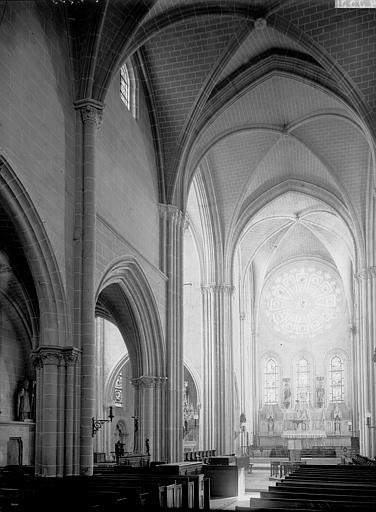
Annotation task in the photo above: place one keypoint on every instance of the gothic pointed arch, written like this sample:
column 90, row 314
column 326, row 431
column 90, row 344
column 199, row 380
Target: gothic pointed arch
column 54, row 326
column 125, row 294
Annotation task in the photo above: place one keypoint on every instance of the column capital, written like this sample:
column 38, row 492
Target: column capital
column 71, row 355
column 148, row 381
column 217, row 288
column 57, row 356
column 172, row 213
column 46, row 355
column 91, row 111
column 365, row 273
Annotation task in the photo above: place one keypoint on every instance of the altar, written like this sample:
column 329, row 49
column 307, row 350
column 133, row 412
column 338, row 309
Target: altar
column 305, row 427
column 300, row 439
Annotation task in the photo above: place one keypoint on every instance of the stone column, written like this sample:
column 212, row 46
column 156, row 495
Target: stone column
column 55, row 410
column 218, row 378
column 364, row 364
column 208, row 406
column 101, row 408
column 91, row 116
column 150, row 411
column 171, row 262
column 71, row 357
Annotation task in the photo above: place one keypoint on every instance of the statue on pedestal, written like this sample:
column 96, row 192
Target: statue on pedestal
column 24, row 400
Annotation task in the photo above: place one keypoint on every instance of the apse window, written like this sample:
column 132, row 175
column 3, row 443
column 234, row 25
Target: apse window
column 271, row 382
column 336, row 379
column 303, row 390
column 128, row 87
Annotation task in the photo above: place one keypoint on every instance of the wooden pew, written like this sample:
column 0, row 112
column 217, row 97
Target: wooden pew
column 308, row 496
column 309, row 503
column 190, row 486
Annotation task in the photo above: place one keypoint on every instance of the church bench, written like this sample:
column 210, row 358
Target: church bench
column 184, row 486
column 324, row 483
column 324, row 496
column 136, row 492
column 322, row 490
column 294, row 502
column 193, row 485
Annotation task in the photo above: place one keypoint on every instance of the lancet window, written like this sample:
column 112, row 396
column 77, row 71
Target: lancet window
column 125, row 86
column 271, row 378
column 118, row 390
column 336, row 379
column 303, row 373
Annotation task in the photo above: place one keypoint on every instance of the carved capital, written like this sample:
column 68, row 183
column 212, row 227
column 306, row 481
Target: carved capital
column 361, row 275
column 260, row 23
column 90, row 114
column 217, row 288
column 91, row 111
column 44, row 356
column 172, row 214
column 148, row 381
column 71, row 356
column 56, row 356
column 365, row 273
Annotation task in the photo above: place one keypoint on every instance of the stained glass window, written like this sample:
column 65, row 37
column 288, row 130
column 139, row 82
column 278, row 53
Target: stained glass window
column 118, row 390
column 271, row 382
column 303, row 388
column 336, row 379
column 125, row 86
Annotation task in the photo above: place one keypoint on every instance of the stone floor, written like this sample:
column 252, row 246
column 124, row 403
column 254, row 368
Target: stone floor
column 257, row 481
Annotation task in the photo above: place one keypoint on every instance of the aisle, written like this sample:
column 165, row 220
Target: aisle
column 257, row 481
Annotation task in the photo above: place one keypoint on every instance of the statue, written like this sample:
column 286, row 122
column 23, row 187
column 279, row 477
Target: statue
column 337, row 419
column 320, row 394
column 135, row 430
column 270, row 421
column 119, row 450
column 286, row 395
column 147, row 446
column 24, row 402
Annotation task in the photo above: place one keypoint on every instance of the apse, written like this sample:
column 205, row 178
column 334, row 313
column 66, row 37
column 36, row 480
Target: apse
column 296, row 256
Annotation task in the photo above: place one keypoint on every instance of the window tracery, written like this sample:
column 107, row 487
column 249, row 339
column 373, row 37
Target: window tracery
column 303, row 302
column 125, row 86
column 303, row 387
column 271, row 386
column 336, row 379
column 118, row 390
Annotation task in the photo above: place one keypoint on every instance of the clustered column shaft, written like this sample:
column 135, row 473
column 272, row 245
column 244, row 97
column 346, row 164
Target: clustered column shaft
column 172, row 221
column 91, row 115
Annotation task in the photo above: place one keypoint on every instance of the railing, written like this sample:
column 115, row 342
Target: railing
column 200, row 455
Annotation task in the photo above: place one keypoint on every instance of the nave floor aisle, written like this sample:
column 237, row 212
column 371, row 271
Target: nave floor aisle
column 258, row 481
column 255, row 482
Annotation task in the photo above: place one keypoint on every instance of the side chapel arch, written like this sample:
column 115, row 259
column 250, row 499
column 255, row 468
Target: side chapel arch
column 125, row 296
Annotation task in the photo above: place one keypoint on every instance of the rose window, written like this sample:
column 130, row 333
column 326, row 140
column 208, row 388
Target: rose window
column 303, row 302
